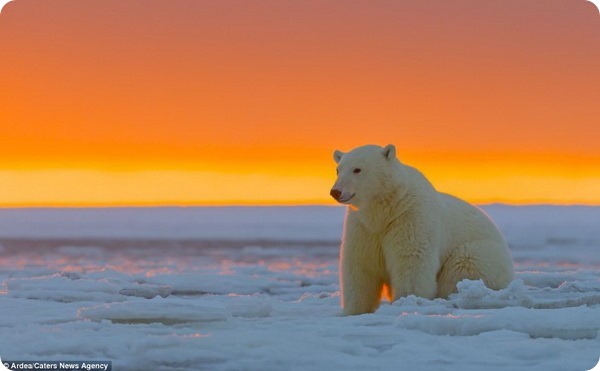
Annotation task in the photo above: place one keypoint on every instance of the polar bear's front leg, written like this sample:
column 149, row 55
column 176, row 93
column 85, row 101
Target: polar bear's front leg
column 360, row 288
column 412, row 264
column 361, row 270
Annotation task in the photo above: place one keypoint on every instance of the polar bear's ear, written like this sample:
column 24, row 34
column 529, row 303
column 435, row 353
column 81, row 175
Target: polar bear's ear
column 389, row 152
column 337, row 155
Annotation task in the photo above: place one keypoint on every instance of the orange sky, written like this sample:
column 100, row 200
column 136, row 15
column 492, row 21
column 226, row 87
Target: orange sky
column 120, row 102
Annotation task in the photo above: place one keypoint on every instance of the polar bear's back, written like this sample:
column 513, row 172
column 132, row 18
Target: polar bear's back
column 465, row 222
column 462, row 221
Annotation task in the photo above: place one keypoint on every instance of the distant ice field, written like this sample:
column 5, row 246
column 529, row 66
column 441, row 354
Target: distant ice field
column 256, row 288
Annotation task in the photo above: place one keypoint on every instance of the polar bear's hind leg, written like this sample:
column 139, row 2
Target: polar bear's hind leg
column 486, row 260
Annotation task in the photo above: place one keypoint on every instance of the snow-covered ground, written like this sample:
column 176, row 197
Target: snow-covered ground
column 257, row 289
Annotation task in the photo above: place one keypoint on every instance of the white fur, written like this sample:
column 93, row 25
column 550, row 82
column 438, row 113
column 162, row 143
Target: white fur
column 400, row 232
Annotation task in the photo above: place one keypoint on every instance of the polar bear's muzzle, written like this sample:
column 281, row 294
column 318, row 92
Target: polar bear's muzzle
column 340, row 197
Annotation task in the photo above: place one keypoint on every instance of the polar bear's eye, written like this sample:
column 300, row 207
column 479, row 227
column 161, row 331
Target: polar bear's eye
column 357, row 170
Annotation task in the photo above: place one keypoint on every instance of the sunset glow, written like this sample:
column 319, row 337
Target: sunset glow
column 124, row 102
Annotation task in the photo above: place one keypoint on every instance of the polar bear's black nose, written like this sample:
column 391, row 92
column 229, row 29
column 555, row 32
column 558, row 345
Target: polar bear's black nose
column 335, row 194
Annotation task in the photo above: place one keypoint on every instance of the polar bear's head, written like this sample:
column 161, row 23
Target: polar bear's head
column 362, row 173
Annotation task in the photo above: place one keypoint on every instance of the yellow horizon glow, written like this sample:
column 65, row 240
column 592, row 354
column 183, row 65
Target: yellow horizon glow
column 480, row 179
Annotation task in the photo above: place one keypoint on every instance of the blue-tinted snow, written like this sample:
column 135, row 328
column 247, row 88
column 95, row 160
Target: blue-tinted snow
column 257, row 289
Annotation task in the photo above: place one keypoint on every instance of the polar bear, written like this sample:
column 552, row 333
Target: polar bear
column 402, row 235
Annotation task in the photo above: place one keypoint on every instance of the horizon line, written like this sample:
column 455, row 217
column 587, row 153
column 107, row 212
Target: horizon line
column 259, row 205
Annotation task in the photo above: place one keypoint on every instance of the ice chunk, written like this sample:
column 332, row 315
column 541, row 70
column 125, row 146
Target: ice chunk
column 474, row 294
column 564, row 323
column 249, row 306
column 72, row 287
column 169, row 312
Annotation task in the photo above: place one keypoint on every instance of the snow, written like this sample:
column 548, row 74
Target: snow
column 210, row 223
column 257, row 289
